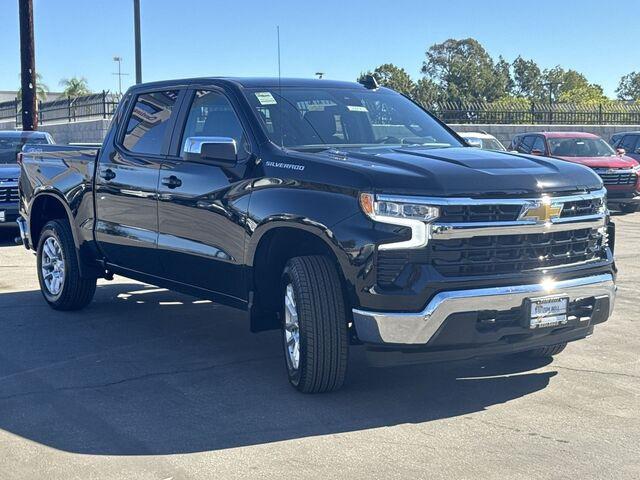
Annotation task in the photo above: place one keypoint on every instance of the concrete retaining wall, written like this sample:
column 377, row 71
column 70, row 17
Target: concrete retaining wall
column 89, row 131
column 505, row 133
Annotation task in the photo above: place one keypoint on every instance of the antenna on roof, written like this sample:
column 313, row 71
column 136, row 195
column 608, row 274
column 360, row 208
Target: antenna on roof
column 370, row 82
column 280, row 89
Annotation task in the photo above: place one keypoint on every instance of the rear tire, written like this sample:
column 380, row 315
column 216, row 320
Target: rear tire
column 545, row 352
column 58, row 272
column 314, row 325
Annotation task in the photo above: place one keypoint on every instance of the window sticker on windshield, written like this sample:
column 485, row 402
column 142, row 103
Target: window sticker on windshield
column 357, row 108
column 265, row 98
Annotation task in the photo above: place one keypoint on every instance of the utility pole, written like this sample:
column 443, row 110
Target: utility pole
column 136, row 31
column 28, row 66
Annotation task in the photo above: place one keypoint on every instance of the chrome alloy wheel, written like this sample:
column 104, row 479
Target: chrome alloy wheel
column 291, row 328
column 52, row 266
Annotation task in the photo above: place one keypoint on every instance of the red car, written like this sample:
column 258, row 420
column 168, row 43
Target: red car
column 620, row 173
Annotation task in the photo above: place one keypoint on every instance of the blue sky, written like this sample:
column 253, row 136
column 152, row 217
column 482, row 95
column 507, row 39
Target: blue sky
column 182, row 38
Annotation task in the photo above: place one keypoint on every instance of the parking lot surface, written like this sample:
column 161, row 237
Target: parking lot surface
column 151, row 384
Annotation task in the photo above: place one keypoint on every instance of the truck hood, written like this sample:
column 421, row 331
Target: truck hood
column 464, row 172
column 614, row 161
column 9, row 171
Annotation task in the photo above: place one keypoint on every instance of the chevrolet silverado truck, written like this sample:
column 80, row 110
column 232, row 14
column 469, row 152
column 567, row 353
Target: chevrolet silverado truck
column 340, row 213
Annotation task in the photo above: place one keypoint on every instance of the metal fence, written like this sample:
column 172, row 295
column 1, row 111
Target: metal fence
column 98, row 105
column 524, row 112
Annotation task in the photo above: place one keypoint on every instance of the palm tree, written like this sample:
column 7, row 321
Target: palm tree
column 74, row 87
column 41, row 89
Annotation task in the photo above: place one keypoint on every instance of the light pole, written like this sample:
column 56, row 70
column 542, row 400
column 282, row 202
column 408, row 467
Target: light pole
column 119, row 73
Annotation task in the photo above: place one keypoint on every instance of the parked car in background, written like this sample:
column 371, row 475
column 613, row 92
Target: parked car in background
column 620, row 173
column 629, row 141
column 482, row 140
column 11, row 143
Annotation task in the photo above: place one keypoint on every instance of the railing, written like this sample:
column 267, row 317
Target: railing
column 98, row 105
column 524, row 112
column 103, row 105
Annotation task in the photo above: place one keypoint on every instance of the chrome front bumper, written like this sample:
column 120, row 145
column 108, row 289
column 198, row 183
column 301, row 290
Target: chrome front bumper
column 419, row 328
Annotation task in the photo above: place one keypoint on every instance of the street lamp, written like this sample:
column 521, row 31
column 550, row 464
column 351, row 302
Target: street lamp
column 119, row 73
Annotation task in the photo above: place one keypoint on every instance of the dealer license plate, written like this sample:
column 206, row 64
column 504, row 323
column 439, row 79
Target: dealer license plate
column 548, row 311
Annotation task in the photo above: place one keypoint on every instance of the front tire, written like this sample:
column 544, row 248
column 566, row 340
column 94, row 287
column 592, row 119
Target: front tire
column 58, row 272
column 314, row 325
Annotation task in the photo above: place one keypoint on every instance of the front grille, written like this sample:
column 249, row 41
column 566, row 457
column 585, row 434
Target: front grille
column 8, row 194
column 479, row 213
column 489, row 255
column 514, row 253
column 613, row 176
column 578, row 208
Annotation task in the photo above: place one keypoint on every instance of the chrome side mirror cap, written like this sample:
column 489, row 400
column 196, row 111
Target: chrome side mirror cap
column 221, row 151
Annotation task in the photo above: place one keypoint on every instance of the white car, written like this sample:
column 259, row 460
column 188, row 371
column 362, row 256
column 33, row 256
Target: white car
column 482, row 140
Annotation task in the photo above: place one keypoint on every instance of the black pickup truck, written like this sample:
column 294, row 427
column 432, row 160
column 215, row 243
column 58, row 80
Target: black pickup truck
column 341, row 213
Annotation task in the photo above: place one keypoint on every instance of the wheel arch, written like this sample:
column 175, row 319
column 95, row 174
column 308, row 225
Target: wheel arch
column 47, row 206
column 269, row 250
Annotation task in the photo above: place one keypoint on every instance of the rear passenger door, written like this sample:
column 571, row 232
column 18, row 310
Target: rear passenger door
column 202, row 206
column 127, row 176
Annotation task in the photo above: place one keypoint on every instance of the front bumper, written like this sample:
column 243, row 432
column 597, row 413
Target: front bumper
column 632, row 199
column 9, row 214
column 422, row 328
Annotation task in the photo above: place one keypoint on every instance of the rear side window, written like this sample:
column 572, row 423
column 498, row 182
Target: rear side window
column 148, row 121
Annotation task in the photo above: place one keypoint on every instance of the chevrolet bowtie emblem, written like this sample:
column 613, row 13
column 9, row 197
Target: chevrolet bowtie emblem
column 541, row 212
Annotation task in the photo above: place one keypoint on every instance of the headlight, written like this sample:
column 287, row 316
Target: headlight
column 403, row 212
column 397, row 208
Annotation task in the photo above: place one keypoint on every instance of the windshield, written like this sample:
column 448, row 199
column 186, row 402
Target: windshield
column 9, row 147
column 322, row 118
column 580, row 147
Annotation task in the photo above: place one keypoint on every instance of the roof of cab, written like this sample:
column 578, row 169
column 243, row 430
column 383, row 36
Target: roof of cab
column 259, row 82
column 568, row 135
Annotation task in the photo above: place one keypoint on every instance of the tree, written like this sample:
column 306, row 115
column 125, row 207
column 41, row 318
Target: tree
column 629, row 87
column 390, row 76
column 427, row 93
column 74, row 87
column 562, row 85
column 465, row 71
column 42, row 89
column 527, row 79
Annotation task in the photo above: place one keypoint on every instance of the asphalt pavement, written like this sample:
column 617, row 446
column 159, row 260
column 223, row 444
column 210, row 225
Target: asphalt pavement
column 150, row 384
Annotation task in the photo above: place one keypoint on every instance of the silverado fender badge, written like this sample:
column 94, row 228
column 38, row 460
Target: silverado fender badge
column 286, row 166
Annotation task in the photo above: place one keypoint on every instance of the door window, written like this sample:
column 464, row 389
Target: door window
column 211, row 115
column 527, row 144
column 538, row 144
column 148, row 122
column 629, row 143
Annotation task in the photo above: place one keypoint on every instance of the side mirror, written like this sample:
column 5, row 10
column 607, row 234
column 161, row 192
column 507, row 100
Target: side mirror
column 537, row 152
column 220, row 151
column 621, row 151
